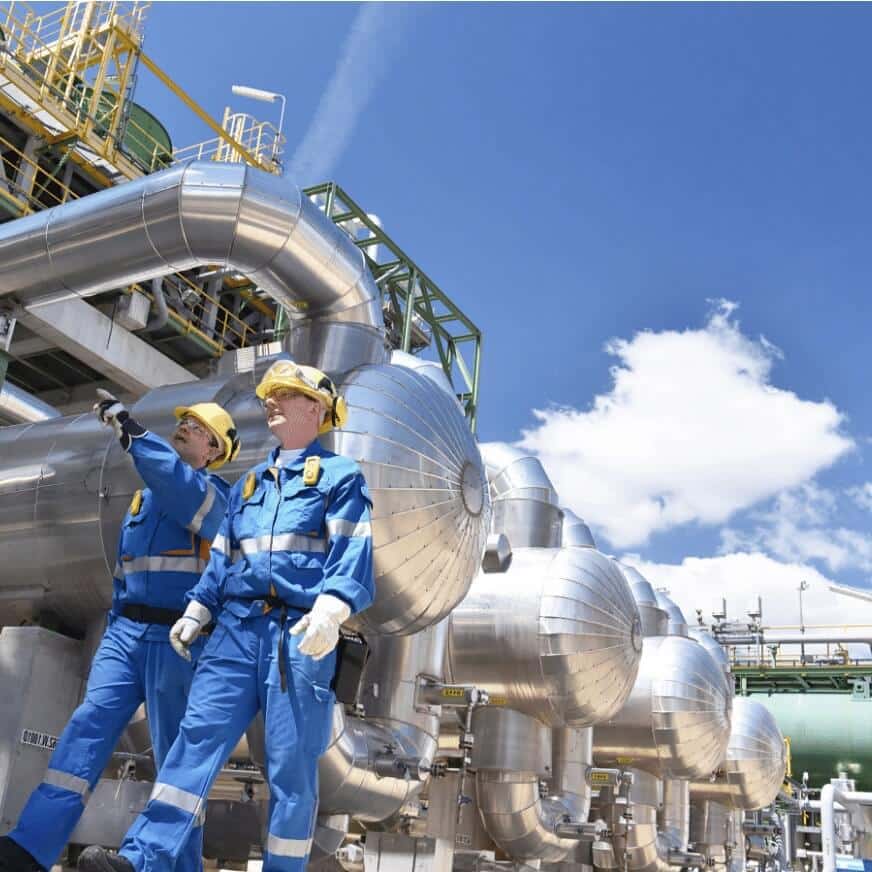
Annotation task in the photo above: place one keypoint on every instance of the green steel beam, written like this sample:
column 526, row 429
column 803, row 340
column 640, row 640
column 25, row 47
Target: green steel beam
column 410, row 292
column 834, row 678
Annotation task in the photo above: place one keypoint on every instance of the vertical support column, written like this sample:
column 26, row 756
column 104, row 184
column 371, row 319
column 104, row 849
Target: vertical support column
column 27, row 171
column 411, row 295
column 7, row 328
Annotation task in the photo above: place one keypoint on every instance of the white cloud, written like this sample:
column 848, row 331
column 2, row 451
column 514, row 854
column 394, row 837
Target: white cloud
column 862, row 495
column 376, row 33
column 691, row 431
column 701, row 582
column 800, row 527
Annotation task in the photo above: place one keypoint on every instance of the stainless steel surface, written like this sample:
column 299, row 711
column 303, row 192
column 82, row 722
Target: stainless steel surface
column 571, row 758
column 676, row 723
column 555, row 636
column 752, row 772
column 41, row 678
column 497, row 553
column 428, row 368
column 508, row 741
column 525, row 503
column 712, row 831
column 64, row 487
column 111, row 810
column 203, row 213
column 20, row 407
column 349, row 781
column 517, row 818
column 676, row 624
column 431, row 511
column 575, row 533
column 715, row 649
column 655, row 621
column 660, row 823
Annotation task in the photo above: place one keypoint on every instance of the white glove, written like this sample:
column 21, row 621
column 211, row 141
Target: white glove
column 185, row 630
column 321, row 626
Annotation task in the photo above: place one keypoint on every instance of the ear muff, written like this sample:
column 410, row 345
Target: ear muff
column 327, row 384
column 235, row 444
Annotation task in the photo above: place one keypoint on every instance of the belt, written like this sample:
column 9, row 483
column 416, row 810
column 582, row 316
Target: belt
column 275, row 603
column 150, row 614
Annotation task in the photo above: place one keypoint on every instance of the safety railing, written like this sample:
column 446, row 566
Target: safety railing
column 261, row 140
column 44, row 191
column 77, row 61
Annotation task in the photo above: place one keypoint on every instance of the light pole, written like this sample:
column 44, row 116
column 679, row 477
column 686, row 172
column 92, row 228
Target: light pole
column 264, row 97
column 803, row 585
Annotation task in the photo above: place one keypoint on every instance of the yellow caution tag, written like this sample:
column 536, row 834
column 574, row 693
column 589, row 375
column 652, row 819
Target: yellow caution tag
column 599, row 778
column 311, row 470
column 455, row 692
column 135, row 504
column 498, row 700
column 249, row 486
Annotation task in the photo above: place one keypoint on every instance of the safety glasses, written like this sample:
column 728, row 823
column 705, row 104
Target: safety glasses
column 195, row 426
column 282, row 394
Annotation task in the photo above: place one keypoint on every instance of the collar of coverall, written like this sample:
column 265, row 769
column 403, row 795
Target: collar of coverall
column 314, row 447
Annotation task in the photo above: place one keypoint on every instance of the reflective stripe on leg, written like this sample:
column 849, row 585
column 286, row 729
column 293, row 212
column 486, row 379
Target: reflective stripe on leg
column 175, row 796
column 288, row 847
column 73, row 783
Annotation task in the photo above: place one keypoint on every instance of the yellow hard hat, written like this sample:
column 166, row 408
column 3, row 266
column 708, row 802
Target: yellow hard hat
column 309, row 381
column 221, row 426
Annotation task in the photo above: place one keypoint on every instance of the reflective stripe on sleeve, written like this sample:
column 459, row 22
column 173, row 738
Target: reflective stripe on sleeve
column 163, row 564
column 282, row 542
column 208, row 501
column 220, row 543
column 175, row 796
column 288, row 847
column 341, row 527
column 118, row 572
column 73, row 783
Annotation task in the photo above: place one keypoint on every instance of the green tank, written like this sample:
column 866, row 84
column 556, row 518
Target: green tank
column 145, row 139
column 829, row 733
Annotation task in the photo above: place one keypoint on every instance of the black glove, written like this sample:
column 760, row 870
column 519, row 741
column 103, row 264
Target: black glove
column 112, row 413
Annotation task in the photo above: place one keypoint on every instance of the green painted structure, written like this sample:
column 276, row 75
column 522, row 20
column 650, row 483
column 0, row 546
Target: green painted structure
column 828, row 732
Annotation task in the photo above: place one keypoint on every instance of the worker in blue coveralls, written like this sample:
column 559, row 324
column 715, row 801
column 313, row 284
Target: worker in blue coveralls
column 292, row 561
column 163, row 549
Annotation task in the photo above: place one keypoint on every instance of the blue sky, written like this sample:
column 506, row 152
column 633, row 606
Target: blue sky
column 573, row 175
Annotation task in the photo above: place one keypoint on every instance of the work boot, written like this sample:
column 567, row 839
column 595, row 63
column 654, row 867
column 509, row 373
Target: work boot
column 95, row 859
column 13, row 858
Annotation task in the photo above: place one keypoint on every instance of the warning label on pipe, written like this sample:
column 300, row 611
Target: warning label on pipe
column 38, row 740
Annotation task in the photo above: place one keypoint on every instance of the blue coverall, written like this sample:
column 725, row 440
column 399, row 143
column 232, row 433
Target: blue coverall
column 290, row 541
column 162, row 551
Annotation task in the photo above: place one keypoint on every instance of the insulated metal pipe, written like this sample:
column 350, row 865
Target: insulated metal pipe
column 525, row 503
column 373, row 766
column 24, row 408
column 508, row 770
column 200, row 213
column 658, row 837
column 752, row 771
column 849, row 799
column 676, row 722
column 575, row 534
column 556, row 635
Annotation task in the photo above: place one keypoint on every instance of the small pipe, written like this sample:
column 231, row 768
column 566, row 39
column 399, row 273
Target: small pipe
column 161, row 313
column 830, row 796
